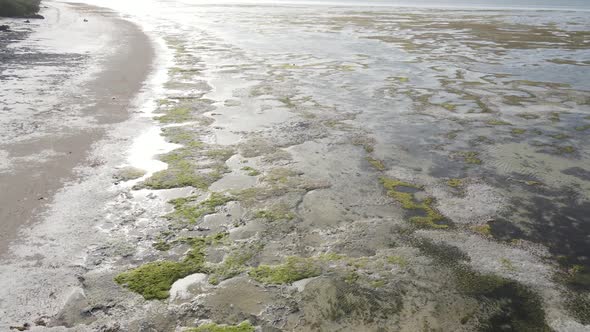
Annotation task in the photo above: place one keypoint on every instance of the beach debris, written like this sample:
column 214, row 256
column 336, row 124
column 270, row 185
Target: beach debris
column 85, row 20
column 4, row 27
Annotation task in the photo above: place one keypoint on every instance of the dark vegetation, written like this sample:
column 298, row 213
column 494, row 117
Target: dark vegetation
column 16, row 8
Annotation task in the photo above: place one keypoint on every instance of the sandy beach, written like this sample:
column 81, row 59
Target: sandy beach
column 65, row 82
column 296, row 166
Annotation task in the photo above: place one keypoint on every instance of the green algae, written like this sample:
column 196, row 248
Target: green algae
column 275, row 213
column 295, row 268
column 212, row 327
column 250, row 171
column 559, row 136
column 449, row 107
column 154, row 280
column 453, row 134
column 180, row 174
column 566, row 149
column 220, row 154
column 582, row 128
column 234, row 263
column 397, row 260
column 507, row 264
column 430, row 218
column 186, row 210
column 471, row 157
column 485, row 230
column 518, row 131
column 176, row 115
column 554, row 116
column 367, row 143
column 496, row 122
column 455, row 183
column 377, row 164
column 128, row 173
column 528, row 116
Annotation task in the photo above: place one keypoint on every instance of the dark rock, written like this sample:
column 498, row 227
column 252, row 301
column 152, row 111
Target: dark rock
column 34, row 16
column 4, row 28
column 85, row 20
column 27, row 21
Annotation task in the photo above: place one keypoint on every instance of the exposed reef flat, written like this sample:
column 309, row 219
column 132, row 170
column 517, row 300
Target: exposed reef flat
column 378, row 170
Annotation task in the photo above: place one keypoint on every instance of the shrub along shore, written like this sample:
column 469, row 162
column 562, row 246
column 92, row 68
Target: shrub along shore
column 19, row 8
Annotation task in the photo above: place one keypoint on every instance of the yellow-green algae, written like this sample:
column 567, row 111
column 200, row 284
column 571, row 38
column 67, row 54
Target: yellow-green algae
column 378, row 164
column 275, row 212
column 187, row 211
column 495, row 122
column 294, row 268
column 518, row 131
column 528, row 116
column 471, row 157
column 234, row 263
column 181, row 172
column 250, row 171
column 455, row 183
column 431, row 217
column 212, row 327
column 153, row 280
column 485, row 230
column 176, row 115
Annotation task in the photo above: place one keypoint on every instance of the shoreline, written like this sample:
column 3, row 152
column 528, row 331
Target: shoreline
column 28, row 185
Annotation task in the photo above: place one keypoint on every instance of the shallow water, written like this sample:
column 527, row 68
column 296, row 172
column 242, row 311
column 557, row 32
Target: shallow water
column 301, row 114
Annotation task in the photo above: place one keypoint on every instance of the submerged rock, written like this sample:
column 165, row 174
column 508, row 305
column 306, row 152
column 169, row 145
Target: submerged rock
column 4, row 27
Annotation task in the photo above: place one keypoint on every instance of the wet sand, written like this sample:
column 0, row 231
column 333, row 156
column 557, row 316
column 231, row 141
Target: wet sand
column 40, row 160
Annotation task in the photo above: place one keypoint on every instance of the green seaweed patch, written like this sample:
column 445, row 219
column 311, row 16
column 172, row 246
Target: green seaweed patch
column 566, row 149
column 180, row 174
column 429, row 218
column 250, row 171
column 528, row 116
column 496, row 122
column 154, row 280
column 559, row 136
column 397, row 260
column 295, row 268
column 367, row 143
column 518, row 131
column 176, row 115
column 186, row 210
column 377, row 164
column 455, row 183
column 212, row 327
column 220, row 154
column 453, row 134
column 128, row 173
column 484, row 230
column 507, row 264
column 471, row 157
column 582, row 128
column 449, row 107
column 275, row 213
column 234, row 263
column 554, row 116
